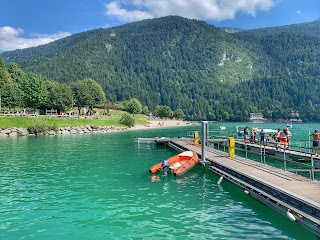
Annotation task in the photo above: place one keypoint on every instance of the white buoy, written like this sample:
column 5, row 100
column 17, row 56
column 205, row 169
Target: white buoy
column 220, row 180
column 291, row 216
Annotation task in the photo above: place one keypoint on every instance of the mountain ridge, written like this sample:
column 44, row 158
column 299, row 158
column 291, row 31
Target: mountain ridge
column 188, row 64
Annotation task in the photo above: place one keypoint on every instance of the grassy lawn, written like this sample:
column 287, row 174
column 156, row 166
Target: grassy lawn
column 113, row 120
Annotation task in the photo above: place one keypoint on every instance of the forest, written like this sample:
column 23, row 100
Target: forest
column 187, row 65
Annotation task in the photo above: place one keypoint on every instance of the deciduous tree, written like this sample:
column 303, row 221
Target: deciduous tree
column 87, row 93
column 34, row 91
column 134, row 106
column 60, row 96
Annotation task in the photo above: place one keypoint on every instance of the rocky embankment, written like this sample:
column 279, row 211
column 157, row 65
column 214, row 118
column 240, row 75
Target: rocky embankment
column 13, row 132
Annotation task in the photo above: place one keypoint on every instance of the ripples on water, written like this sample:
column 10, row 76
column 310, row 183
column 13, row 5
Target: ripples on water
column 98, row 187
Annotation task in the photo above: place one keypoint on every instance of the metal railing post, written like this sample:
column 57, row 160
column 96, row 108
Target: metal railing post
column 261, row 161
column 284, row 160
column 312, row 168
column 203, row 141
column 264, row 154
column 246, row 149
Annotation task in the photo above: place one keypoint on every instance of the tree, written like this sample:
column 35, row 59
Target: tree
column 4, row 74
column 4, row 80
column 145, row 110
column 178, row 114
column 164, row 111
column 127, row 120
column 16, row 73
column 34, row 91
column 134, row 106
column 87, row 93
column 60, row 96
column 10, row 95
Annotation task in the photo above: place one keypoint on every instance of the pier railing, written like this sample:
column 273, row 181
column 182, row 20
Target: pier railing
column 218, row 139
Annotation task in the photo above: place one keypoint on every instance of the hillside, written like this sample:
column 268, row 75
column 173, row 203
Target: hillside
column 188, row 64
column 309, row 28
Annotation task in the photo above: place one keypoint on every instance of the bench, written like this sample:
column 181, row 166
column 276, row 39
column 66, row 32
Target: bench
column 31, row 113
column 51, row 112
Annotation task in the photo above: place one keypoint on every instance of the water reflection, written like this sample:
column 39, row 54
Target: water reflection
column 155, row 178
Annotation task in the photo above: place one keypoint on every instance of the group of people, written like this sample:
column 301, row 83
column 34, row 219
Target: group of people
column 280, row 137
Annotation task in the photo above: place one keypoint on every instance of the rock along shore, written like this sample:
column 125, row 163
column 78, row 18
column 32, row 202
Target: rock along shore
column 13, row 132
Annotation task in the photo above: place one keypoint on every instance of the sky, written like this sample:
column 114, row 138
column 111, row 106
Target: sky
column 29, row 23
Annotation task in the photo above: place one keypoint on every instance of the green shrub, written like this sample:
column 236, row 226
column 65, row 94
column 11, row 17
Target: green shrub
column 39, row 125
column 127, row 120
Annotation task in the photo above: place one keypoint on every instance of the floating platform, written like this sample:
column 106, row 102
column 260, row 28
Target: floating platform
column 157, row 140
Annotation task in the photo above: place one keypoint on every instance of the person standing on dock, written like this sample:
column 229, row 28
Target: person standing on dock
column 315, row 142
column 283, row 138
column 276, row 137
column 262, row 136
column 245, row 134
column 289, row 134
column 253, row 136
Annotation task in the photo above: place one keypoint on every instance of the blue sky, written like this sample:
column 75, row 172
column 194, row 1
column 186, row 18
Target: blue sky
column 28, row 23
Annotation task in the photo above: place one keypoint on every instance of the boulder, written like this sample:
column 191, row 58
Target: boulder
column 13, row 134
column 73, row 131
column 6, row 131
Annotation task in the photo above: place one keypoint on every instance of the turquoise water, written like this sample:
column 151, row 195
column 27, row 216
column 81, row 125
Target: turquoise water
column 97, row 186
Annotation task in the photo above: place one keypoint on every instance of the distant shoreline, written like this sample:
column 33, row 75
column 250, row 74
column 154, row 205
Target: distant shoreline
column 162, row 124
column 18, row 131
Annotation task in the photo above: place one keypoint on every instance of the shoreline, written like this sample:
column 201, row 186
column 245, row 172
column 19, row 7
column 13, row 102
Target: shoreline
column 17, row 132
column 162, row 124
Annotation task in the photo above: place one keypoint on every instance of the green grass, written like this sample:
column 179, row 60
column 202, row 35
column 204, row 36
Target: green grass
column 113, row 120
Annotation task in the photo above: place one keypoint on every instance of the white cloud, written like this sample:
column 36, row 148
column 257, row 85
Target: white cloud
column 114, row 9
column 299, row 12
column 10, row 38
column 217, row 10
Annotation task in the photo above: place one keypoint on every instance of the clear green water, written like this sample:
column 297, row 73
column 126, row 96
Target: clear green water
column 98, row 186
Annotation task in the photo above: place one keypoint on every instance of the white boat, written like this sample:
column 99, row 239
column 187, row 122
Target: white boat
column 289, row 124
column 222, row 127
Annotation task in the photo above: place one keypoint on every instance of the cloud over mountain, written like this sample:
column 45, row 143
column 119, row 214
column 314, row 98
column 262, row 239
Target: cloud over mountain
column 205, row 9
column 11, row 39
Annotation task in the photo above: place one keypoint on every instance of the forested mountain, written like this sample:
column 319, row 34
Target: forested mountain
column 309, row 28
column 191, row 65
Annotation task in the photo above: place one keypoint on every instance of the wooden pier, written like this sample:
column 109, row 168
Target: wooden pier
column 286, row 192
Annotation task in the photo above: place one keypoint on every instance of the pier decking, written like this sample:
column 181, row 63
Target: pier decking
column 279, row 189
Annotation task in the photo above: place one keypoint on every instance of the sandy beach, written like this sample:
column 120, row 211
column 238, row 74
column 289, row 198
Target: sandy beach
column 162, row 124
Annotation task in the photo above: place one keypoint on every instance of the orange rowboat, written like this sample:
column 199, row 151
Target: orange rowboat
column 178, row 164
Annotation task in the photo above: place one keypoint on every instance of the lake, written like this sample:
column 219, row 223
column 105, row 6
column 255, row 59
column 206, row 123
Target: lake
column 97, row 186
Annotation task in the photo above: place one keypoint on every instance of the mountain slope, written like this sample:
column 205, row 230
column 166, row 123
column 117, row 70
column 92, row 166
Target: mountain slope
column 189, row 64
column 309, row 28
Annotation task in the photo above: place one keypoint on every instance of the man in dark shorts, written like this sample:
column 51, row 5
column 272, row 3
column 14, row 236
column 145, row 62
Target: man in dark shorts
column 315, row 142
